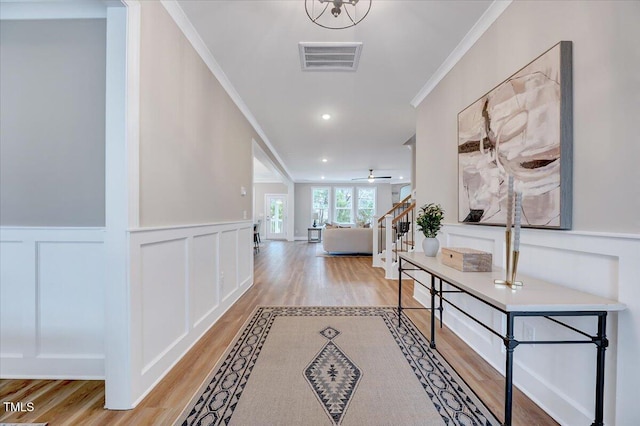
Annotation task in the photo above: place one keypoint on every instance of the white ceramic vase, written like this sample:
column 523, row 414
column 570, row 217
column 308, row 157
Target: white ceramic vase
column 430, row 246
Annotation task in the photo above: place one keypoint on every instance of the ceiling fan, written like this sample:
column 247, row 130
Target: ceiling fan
column 371, row 178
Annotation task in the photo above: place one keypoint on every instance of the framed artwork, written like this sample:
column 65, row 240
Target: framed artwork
column 523, row 128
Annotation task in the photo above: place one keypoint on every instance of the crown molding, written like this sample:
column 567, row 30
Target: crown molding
column 488, row 17
column 268, row 181
column 190, row 32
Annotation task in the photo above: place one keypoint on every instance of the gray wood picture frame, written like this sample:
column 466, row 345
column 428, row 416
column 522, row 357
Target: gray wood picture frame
column 522, row 127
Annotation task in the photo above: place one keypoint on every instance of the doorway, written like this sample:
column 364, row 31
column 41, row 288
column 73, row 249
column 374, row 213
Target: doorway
column 276, row 216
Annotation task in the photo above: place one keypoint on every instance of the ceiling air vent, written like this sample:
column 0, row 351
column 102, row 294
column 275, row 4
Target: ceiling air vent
column 337, row 56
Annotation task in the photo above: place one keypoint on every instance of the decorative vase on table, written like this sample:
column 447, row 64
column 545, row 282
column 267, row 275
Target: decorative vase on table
column 429, row 221
column 430, row 246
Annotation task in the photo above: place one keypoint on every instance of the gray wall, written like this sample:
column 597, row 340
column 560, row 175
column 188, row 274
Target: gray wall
column 52, row 131
column 304, row 218
column 195, row 144
column 606, row 89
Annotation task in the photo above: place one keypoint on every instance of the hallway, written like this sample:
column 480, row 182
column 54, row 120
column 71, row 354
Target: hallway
column 285, row 273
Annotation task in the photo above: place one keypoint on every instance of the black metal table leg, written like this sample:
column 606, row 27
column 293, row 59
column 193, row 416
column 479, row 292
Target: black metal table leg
column 432, row 344
column 508, row 338
column 601, row 343
column 510, row 343
column 399, row 292
column 441, row 307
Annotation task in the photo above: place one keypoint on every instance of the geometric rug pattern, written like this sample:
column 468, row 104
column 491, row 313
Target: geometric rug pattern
column 333, row 377
column 332, row 374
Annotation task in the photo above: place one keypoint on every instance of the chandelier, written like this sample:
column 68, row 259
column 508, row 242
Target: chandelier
column 337, row 14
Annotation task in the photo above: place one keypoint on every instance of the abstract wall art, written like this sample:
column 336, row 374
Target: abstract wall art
column 523, row 128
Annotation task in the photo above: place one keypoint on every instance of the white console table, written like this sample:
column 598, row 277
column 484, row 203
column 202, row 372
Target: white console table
column 537, row 298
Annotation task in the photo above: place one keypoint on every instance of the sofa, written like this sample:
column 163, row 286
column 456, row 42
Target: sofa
column 348, row 240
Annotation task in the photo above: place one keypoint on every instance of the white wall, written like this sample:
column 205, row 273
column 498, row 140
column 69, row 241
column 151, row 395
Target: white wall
column 72, row 295
column 606, row 179
column 605, row 189
column 195, row 153
column 195, row 143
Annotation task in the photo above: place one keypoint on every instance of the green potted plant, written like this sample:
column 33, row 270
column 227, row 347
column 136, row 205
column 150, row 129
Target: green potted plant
column 429, row 221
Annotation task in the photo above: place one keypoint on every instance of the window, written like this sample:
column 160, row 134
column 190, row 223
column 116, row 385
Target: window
column 366, row 205
column 344, row 205
column 347, row 205
column 405, row 191
column 320, row 205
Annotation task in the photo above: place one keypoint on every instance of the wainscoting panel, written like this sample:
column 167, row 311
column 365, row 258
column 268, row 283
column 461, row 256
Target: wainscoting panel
column 52, row 303
column 561, row 378
column 205, row 276
column 595, row 273
column 229, row 264
column 164, row 297
column 69, row 297
column 17, row 315
column 182, row 279
column 245, row 263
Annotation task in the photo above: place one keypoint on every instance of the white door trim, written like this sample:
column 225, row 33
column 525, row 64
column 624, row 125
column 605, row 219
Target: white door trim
column 267, row 216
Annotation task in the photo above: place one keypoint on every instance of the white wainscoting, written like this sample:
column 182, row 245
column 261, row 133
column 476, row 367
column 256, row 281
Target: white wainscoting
column 52, row 303
column 182, row 280
column 561, row 378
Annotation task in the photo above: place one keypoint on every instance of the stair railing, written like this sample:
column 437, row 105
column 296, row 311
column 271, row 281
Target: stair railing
column 397, row 208
column 379, row 240
column 388, row 242
column 403, row 229
column 394, row 233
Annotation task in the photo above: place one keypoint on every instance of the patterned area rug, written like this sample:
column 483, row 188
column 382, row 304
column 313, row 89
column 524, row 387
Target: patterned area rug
column 333, row 366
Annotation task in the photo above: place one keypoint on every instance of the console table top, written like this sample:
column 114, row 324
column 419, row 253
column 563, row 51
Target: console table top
column 534, row 296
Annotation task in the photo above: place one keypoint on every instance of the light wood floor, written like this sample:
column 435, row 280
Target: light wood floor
column 285, row 274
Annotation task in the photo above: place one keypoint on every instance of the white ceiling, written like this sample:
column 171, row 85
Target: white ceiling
column 255, row 42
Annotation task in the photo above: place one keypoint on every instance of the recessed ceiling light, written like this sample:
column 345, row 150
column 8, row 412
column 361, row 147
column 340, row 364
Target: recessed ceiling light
column 401, row 178
column 326, row 116
column 321, row 177
column 324, row 160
